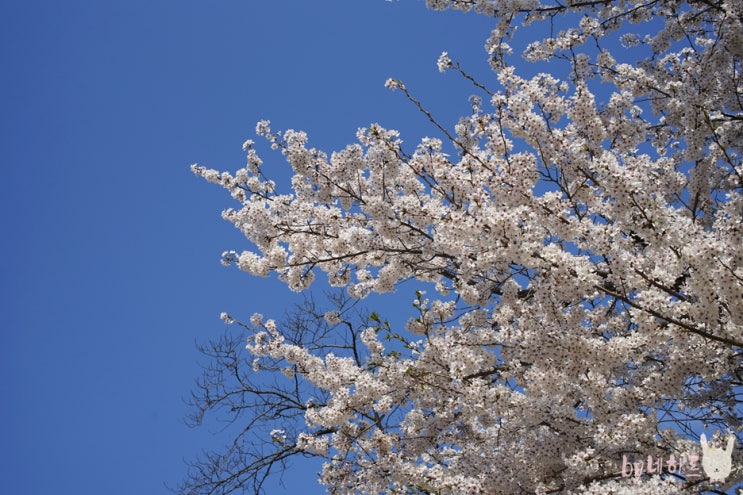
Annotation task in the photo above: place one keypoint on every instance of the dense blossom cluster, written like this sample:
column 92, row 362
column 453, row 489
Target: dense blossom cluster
column 584, row 239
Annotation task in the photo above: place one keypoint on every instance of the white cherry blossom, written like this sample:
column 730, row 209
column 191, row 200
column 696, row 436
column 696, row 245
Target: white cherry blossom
column 580, row 234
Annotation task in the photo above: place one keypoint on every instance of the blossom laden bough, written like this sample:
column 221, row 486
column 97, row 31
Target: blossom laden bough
column 583, row 233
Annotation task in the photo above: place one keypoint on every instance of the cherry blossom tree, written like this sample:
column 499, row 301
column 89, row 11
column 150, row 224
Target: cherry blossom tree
column 577, row 241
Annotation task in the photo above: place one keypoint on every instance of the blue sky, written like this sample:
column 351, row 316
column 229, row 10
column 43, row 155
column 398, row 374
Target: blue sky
column 111, row 246
column 110, row 253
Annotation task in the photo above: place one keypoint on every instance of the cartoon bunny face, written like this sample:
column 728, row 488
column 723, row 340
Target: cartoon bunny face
column 717, row 463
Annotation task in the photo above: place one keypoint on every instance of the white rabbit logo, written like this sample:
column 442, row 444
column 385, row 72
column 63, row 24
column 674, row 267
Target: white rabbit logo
column 717, row 463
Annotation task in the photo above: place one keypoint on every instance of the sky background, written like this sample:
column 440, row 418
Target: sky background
column 110, row 249
column 109, row 257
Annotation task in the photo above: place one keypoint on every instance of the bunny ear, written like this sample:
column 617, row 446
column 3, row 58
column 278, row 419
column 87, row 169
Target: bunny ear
column 731, row 444
column 703, row 441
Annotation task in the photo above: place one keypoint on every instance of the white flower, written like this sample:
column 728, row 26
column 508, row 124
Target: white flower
column 393, row 84
column 444, row 62
column 278, row 436
column 332, row 317
column 256, row 320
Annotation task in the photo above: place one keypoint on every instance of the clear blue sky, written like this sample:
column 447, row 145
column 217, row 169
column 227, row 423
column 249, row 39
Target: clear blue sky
column 110, row 250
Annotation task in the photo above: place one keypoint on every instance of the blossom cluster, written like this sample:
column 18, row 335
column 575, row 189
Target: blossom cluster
column 585, row 244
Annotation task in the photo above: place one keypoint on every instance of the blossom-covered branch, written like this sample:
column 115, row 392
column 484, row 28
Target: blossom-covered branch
column 583, row 232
